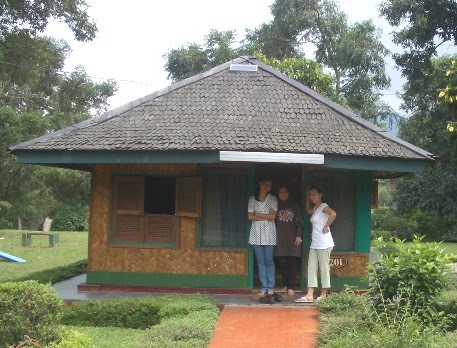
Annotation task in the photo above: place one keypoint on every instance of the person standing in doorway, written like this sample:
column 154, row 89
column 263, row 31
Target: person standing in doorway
column 289, row 223
column 322, row 216
column 262, row 210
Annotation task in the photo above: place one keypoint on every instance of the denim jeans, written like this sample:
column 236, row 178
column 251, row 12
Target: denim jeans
column 266, row 265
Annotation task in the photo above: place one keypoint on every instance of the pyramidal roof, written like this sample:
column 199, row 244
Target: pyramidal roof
column 221, row 109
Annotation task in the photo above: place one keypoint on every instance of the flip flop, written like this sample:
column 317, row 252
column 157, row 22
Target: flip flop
column 303, row 300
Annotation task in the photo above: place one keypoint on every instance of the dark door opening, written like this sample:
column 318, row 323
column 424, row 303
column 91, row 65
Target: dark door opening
column 291, row 176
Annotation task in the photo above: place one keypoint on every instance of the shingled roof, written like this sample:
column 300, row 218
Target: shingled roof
column 220, row 109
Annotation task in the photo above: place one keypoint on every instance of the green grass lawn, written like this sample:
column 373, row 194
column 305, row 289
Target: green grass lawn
column 72, row 248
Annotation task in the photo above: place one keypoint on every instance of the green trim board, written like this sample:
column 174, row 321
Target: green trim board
column 376, row 164
column 363, row 212
column 59, row 158
column 167, row 280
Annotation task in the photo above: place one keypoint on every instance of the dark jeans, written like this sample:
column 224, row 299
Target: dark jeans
column 288, row 266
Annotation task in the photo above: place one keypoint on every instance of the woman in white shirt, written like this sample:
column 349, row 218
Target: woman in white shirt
column 322, row 216
column 262, row 210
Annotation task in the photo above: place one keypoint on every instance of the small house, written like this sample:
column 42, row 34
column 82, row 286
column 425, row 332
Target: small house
column 172, row 173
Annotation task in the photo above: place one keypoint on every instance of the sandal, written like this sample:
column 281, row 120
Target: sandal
column 303, row 300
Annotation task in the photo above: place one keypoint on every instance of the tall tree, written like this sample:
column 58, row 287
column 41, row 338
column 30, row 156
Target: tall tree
column 32, row 17
column 425, row 25
column 434, row 191
column 353, row 53
column 36, row 97
column 192, row 59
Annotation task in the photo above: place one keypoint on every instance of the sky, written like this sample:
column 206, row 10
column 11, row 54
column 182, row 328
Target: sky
column 134, row 35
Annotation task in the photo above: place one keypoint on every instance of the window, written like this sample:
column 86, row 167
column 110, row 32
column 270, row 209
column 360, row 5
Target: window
column 146, row 210
column 224, row 218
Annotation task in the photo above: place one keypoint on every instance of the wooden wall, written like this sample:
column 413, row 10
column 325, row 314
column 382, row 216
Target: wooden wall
column 186, row 258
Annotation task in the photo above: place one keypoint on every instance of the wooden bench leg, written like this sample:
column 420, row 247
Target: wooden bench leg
column 26, row 240
column 53, row 240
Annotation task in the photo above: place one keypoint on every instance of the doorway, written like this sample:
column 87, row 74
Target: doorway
column 291, row 176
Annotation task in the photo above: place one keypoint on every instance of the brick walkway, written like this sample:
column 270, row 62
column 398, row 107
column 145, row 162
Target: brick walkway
column 265, row 326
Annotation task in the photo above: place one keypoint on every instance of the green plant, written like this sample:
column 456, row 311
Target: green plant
column 71, row 339
column 71, row 218
column 28, row 308
column 408, row 281
column 56, row 274
column 385, row 235
column 343, row 302
column 134, row 313
column 447, row 302
column 192, row 330
column 130, row 313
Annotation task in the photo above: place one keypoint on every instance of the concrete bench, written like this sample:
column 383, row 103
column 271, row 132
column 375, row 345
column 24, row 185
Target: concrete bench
column 27, row 238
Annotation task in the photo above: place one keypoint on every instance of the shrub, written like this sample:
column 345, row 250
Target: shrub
column 192, row 330
column 342, row 303
column 447, row 303
column 406, row 224
column 57, row 274
column 137, row 313
column 410, row 279
column 72, row 339
column 28, row 308
column 385, row 235
column 71, row 218
column 130, row 313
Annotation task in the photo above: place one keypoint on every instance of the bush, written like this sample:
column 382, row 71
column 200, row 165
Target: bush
column 131, row 313
column 447, row 303
column 192, row 330
column 409, row 280
column 385, row 235
column 411, row 334
column 72, row 339
column 405, row 225
column 71, row 218
column 343, row 302
column 28, row 308
column 137, row 313
column 57, row 274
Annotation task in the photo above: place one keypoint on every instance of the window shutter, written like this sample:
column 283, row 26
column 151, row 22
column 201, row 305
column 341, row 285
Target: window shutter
column 128, row 209
column 161, row 228
column 188, row 196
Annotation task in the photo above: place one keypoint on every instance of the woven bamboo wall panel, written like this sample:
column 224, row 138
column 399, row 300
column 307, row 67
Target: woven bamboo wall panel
column 183, row 259
column 346, row 264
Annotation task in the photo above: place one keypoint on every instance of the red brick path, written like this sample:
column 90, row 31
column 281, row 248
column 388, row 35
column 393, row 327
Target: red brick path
column 269, row 326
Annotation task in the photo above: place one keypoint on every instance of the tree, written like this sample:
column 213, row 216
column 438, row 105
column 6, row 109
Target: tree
column 193, row 59
column 434, row 191
column 425, row 26
column 307, row 72
column 353, row 53
column 36, row 98
column 32, row 17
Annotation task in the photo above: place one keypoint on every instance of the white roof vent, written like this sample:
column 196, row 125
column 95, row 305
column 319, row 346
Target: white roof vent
column 243, row 67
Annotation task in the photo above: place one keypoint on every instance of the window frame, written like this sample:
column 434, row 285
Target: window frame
column 114, row 238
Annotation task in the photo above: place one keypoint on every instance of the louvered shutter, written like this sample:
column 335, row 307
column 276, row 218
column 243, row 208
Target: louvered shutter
column 188, row 196
column 161, row 228
column 129, row 209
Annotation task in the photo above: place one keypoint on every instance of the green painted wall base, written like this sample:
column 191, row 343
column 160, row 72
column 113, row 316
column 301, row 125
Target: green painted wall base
column 167, row 280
